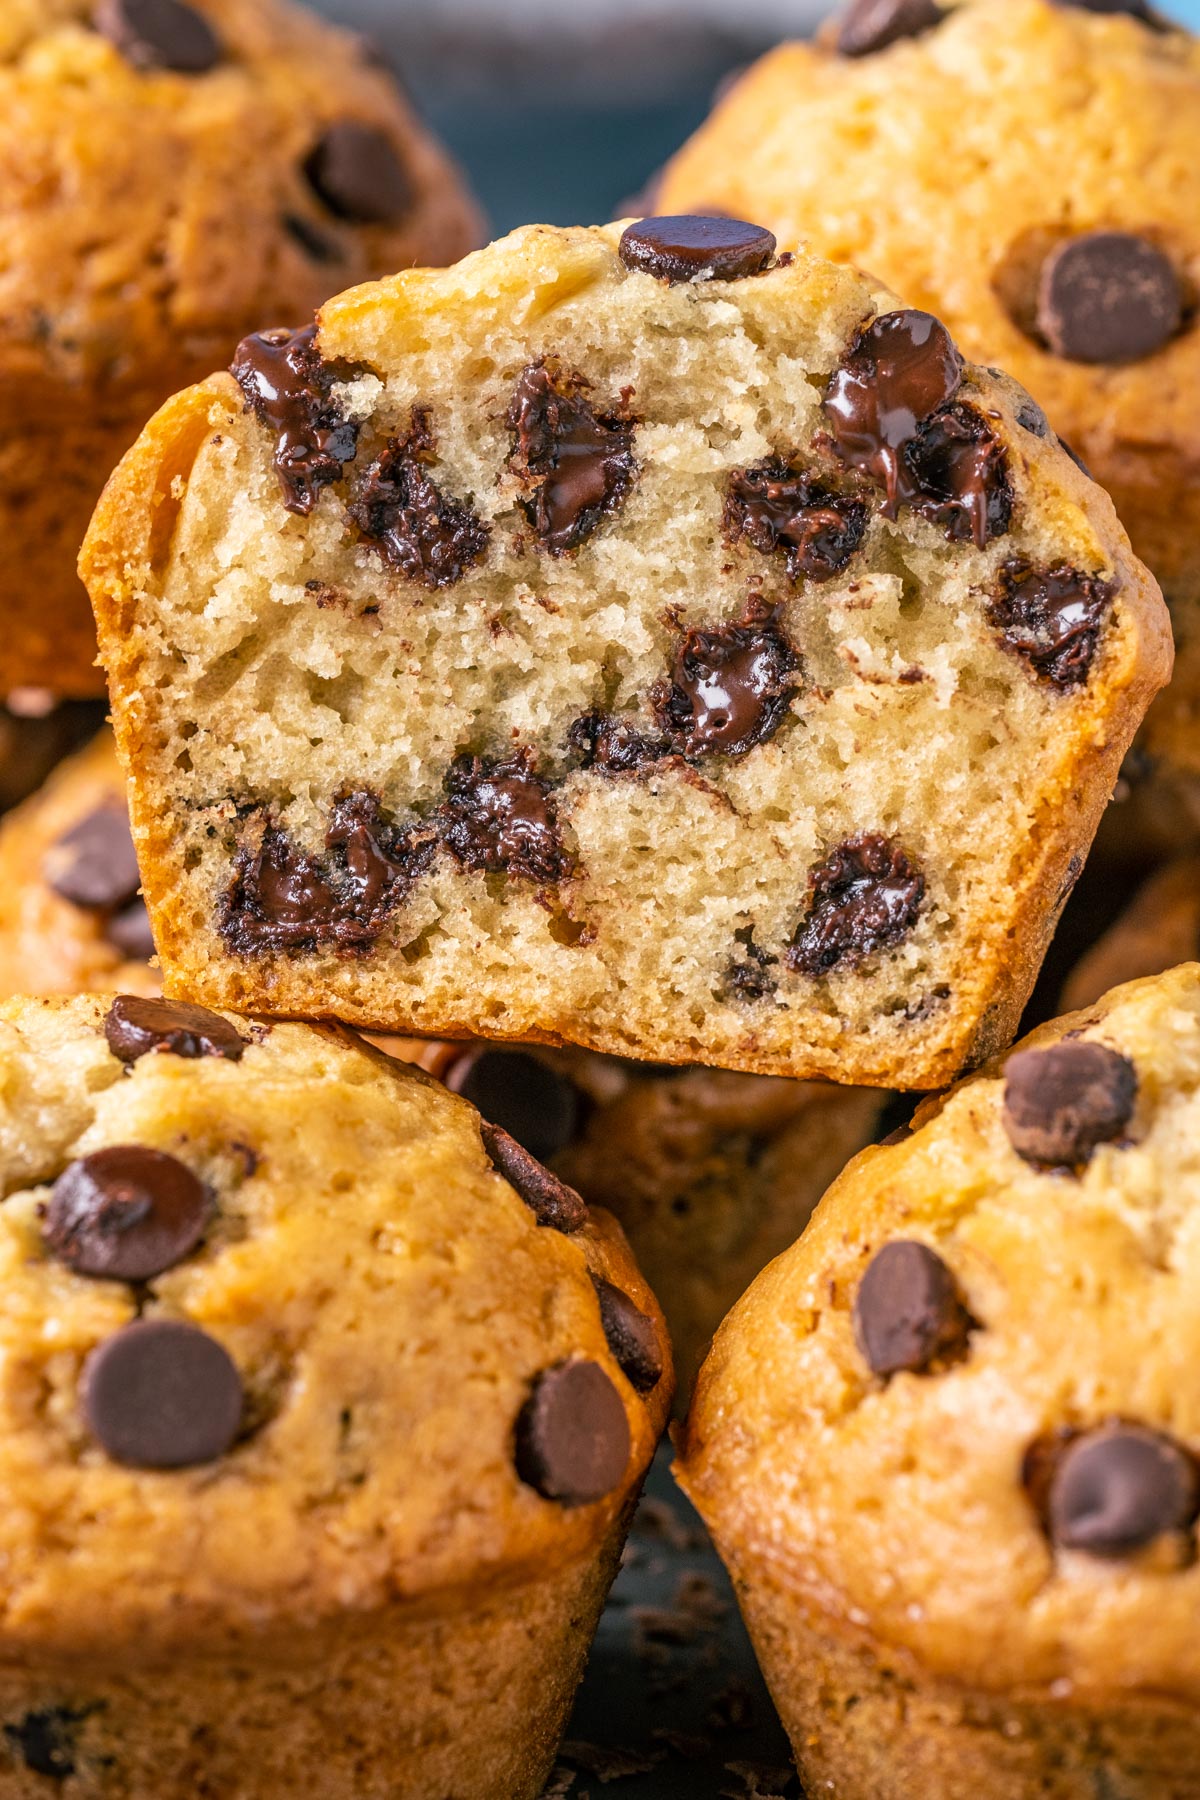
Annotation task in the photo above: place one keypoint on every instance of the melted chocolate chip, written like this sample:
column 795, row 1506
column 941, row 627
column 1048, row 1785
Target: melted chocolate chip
column 129, row 932
column 356, row 171
column 45, row 1740
column 1052, row 620
column 94, row 864
column 162, row 1394
column 550, row 1200
column 584, row 458
column 687, row 247
column 908, row 1312
column 125, row 1213
column 866, row 896
column 1117, row 1489
column 730, row 687
column 870, row 25
column 1109, row 297
column 159, row 34
column 499, row 817
column 778, row 508
column 614, row 744
column 288, row 387
column 418, row 529
column 750, row 978
column 1061, row 1102
column 572, row 1436
column 283, row 898
column 532, row 1102
column 902, row 369
column 958, row 471
column 133, row 1026
column 631, row 1335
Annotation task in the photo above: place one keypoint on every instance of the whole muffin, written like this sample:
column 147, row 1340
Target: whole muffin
column 71, row 917
column 321, row 1423
column 709, row 1173
column 948, row 1445
column 1029, row 171
column 171, row 176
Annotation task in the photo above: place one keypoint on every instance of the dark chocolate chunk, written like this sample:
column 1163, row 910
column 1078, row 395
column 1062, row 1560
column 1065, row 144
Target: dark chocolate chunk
column 134, row 1026
column 159, row 34
column 421, row 531
column 1118, row 1488
column 1061, row 1102
column 317, row 245
column 632, row 1336
column 550, row 1200
column 730, row 687
column 688, row 247
column 357, row 172
column 870, row 25
column 1136, row 9
column 1031, row 418
column 45, row 1740
column 288, row 387
column 94, row 864
column 958, row 471
column 777, row 507
column 128, row 930
column 908, row 1312
column 126, row 1213
column 283, row 898
column 572, row 1435
column 1108, row 297
column 499, row 817
column 162, row 1394
column 615, row 744
column 521, row 1094
column 749, row 978
column 865, row 897
column 584, row 458
column 902, row 369
column 1051, row 619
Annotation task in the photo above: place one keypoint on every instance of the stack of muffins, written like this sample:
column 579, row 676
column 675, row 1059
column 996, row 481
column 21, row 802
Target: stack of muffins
column 661, row 685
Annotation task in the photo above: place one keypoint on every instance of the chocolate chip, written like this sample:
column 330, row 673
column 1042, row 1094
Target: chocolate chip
column 866, row 896
column 750, row 977
column 958, row 474
column 45, row 1740
column 730, row 687
column 134, row 1026
column 779, row 508
column 316, row 245
column 356, row 171
column 902, row 369
column 288, row 387
column 908, row 1312
column 518, row 1092
column 1108, row 297
column 1031, row 418
column 162, row 1394
column 572, row 1436
column 551, row 1201
column 870, row 25
column 94, row 864
column 585, row 458
column 1115, row 1490
column 687, row 247
column 125, row 1213
column 1136, row 9
column 159, row 34
column 615, row 745
column 1061, row 1102
column 129, row 932
column 416, row 527
column 631, row 1335
column 1051, row 619
column 499, row 817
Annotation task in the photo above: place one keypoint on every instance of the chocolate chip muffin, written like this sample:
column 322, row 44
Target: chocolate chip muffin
column 1026, row 169
column 709, row 1173
column 322, row 1419
column 171, row 176
column 72, row 919
column 949, row 1445
column 630, row 637
column 1159, row 928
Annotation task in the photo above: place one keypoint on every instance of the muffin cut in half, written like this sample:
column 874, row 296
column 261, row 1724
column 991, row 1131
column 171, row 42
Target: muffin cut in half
column 630, row 638
column 949, row 1444
column 325, row 1409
